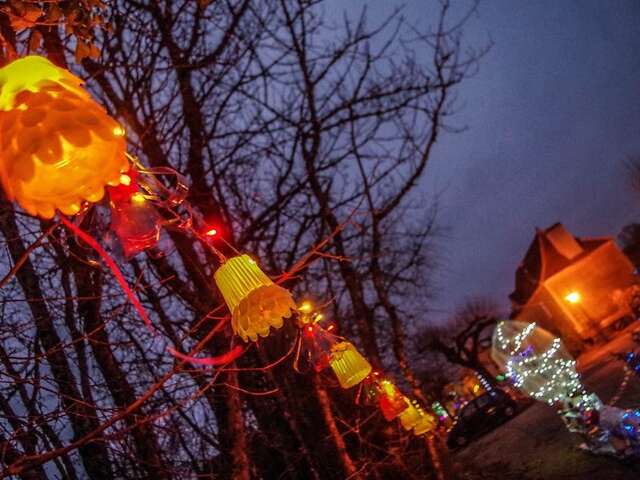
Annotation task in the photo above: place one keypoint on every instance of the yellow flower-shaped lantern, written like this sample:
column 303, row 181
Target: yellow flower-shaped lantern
column 58, row 146
column 410, row 417
column 348, row 364
column 255, row 302
column 415, row 418
column 426, row 424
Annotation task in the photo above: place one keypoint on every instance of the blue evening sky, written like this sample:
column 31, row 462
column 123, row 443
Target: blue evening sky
column 552, row 115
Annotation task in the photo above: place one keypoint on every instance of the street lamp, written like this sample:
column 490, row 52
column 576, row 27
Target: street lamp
column 575, row 298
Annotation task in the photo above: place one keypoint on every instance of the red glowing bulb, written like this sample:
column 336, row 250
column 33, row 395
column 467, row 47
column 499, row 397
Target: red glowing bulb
column 211, row 233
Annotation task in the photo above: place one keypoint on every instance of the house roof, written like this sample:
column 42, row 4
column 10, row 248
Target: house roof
column 550, row 251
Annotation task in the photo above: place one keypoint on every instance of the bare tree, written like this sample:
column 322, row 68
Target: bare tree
column 629, row 239
column 295, row 132
column 466, row 336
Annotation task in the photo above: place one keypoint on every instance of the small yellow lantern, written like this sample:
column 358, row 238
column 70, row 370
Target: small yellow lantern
column 426, row 423
column 348, row 364
column 255, row 302
column 392, row 402
column 58, row 147
column 410, row 417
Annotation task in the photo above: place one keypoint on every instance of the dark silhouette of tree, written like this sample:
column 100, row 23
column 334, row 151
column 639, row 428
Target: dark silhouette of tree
column 465, row 336
column 629, row 240
column 632, row 164
column 303, row 139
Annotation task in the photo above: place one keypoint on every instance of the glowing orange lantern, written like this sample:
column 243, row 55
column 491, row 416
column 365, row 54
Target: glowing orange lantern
column 348, row 364
column 58, row 146
column 392, row 402
column 255, row 302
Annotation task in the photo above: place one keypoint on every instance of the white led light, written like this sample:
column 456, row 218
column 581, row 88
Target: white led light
column 548, row 375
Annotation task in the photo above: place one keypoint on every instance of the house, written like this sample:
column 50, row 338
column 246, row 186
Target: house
column 572, row 286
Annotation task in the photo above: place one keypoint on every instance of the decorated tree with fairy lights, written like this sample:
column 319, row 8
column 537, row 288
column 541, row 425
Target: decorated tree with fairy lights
column 537, row 363
column 206, row 166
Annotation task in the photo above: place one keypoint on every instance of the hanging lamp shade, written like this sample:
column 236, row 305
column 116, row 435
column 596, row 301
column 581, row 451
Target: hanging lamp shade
column 348, row 364
column 425, row 424
column 58, row 147
column 134, row 220
column 391, row 400
column 255, row 302
column 410, row 417
column 317, row 345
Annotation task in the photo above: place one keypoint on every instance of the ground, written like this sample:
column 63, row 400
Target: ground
column 536, row 445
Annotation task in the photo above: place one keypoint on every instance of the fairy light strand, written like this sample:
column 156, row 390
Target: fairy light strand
column 545, row 376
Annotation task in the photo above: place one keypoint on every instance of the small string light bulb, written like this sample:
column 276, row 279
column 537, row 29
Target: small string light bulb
column 138, row 198
column 306, row 307
column 125, row 179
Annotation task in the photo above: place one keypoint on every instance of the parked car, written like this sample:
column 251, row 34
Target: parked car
column 480, row 416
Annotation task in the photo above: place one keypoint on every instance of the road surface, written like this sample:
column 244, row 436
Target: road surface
column 536, row 445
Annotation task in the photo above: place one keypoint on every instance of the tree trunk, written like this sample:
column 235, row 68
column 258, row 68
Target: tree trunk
column 82, row 415
column 349, row 467
column 239, row 448
column 89, row 284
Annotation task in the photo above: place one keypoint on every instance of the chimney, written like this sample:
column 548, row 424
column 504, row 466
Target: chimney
column 563, row 241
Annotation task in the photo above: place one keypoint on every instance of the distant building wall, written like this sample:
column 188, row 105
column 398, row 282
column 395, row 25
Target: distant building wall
column 596, row 278
column 573, row 287
column 547, row 313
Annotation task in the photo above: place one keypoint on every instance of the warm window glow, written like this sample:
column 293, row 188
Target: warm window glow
column 573, row 297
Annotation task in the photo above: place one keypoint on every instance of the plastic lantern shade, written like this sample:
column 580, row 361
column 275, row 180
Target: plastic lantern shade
column 370, row 393
column 410, row 417
column 59, row 147
column 255, row 302
column 317, row 345
column 425, row 424
column 391, row 400
column 348, row 364
column 134, row 220
column 536, row 362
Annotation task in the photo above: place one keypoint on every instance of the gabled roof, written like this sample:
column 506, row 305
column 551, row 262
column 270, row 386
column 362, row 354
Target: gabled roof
column 550, row 251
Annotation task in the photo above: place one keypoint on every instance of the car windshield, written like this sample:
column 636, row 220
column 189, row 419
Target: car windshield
column 492, row 396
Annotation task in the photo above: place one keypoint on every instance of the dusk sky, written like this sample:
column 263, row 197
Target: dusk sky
column 551, row 117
